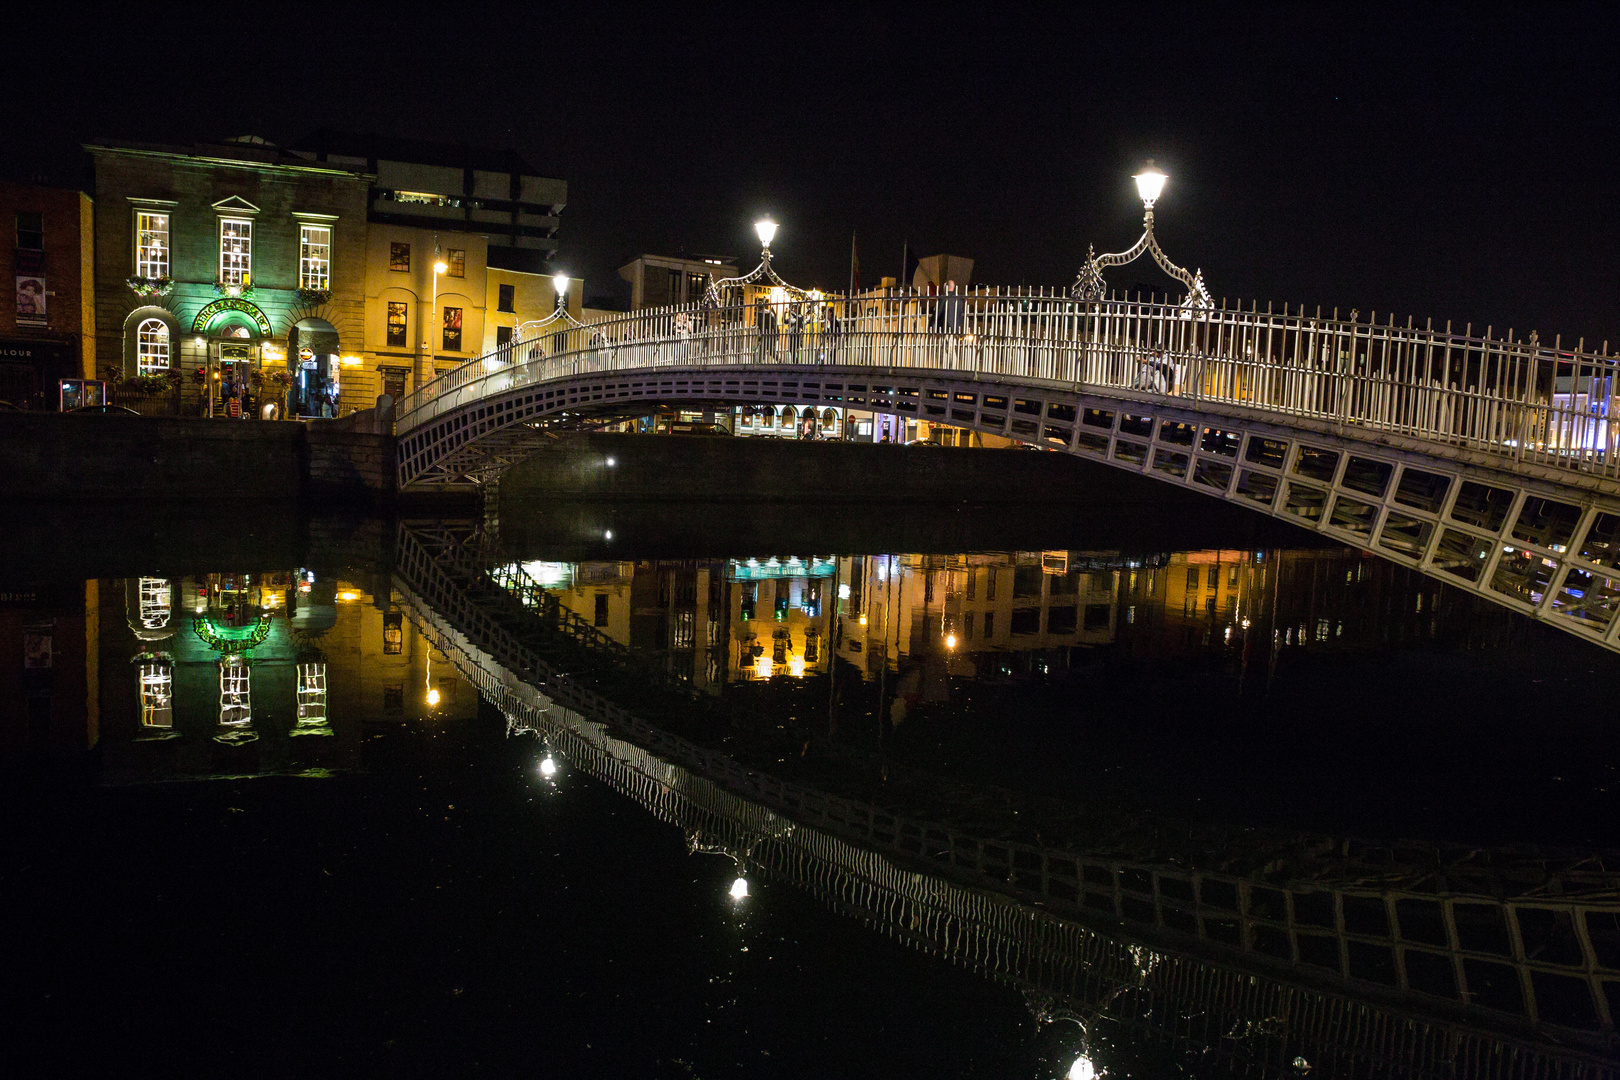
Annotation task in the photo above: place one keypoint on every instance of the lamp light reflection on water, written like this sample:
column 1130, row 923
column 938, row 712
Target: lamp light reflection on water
column 1082, row 1069
column 739, row 889
column 548, row 767
column 433, row 699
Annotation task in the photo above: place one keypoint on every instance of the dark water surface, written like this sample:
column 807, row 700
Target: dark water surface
column 268, row 814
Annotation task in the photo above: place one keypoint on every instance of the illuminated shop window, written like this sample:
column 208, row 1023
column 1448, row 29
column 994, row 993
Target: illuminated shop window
column 157, row 694
column 235, row 692
column 152, row 347
column 155, row 596
column 151, row 245
column 315, row 257
column 235, row 251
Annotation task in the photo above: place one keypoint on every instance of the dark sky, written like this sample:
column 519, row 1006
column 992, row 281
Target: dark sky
column 1450, row 162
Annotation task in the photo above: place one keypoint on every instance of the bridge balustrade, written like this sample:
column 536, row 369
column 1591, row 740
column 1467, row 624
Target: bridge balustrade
column 1515, row 399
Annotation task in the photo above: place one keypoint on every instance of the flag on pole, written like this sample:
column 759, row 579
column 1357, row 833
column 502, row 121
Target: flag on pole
column 854, row 266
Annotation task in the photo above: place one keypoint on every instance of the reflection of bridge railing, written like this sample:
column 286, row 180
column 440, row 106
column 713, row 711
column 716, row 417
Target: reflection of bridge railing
column 1515, row 399
column 1399, row 934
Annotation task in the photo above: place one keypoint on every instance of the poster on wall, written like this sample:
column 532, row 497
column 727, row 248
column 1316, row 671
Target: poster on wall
column 452, row 328
column 30, row 300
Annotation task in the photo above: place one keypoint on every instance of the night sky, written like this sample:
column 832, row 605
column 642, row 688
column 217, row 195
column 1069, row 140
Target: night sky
column 1455, row 162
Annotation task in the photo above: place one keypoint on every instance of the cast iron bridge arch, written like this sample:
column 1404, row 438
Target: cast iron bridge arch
column 1486, row 462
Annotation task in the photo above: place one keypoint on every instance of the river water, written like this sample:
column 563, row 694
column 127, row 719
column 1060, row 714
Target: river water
column 1096, row 791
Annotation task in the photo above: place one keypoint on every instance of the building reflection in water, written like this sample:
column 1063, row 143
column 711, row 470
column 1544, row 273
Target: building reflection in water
column 242, row 674
column 929, row 618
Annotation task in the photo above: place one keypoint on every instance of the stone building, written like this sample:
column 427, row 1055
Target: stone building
column 46, row 329
column 228, row 272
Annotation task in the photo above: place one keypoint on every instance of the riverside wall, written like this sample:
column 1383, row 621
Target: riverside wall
column 88, row 457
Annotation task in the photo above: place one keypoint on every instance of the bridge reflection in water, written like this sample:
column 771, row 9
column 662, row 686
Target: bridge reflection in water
column 1356, row 960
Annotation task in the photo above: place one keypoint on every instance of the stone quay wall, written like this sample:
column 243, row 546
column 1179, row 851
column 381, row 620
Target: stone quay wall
column 652, row 468
column 81, row 457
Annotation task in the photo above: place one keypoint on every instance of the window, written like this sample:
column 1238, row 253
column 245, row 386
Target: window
column 152, row 347
column 311, row 694
column 235, row 251
column 989, row 591
column 399, row 257
column 507, row 300
column 151, row 245
column 30, row 229
column 457, row 259
column 235, row 692
column 452, row 329
column 600, row 613
column 314, row 257
column 396, row 322
column 157, row 694
column 989, row 624
column 503, row 335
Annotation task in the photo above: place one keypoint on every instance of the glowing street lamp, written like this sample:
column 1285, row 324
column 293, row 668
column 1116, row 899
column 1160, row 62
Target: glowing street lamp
column 1149, row 182
column 559, row 285
column 765, row 229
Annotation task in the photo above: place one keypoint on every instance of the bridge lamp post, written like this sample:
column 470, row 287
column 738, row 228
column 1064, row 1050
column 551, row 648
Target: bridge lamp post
column 1089, row 285
column 559, row 285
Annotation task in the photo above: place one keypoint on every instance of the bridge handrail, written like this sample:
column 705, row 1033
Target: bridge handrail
column 1498, row 394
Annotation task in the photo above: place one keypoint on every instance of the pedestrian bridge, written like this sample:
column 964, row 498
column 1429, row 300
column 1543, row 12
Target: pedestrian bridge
column 1486, row 461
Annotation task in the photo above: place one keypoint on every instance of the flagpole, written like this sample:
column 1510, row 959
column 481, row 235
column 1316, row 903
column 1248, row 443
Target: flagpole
column 852, row 258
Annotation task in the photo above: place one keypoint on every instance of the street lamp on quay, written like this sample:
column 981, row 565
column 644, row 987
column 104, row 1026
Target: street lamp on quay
column 1089, row 285
column 559, row 285
column 425, row 361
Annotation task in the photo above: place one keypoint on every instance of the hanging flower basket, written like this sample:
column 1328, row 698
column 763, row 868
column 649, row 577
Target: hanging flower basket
column 148, row 384
column 274, row 379
column 149, row 287
column 243, row 290
column 313, row 297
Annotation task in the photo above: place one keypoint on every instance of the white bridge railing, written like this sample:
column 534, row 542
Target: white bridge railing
column 1500, row 395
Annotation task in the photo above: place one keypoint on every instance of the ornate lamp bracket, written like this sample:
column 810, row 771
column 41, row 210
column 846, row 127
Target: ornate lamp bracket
column 1089, row 284
column 525, row 330
column 712, row 297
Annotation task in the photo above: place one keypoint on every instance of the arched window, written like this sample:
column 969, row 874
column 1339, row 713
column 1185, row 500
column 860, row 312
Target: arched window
column 790, row 417
column 152, row 347
column 829, row 423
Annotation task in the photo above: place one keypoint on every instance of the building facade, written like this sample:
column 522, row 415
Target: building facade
column 307, row 281
column 46, row 332
column 231, row 276
column 459, row 252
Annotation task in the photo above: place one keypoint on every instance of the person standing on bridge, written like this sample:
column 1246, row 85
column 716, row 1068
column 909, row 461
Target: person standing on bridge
column 948, row 316
column 765, row 322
